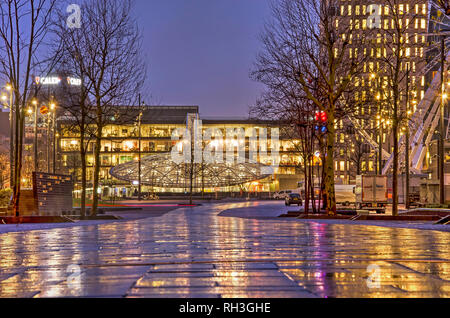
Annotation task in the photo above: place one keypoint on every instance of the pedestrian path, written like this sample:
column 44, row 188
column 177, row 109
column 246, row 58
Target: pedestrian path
column 195, row 252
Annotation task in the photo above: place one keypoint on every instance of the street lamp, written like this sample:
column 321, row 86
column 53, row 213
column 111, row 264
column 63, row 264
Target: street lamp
column 53, row 112
column 139, row 149
column 36, row 159
column 9, row 88
column 379, row 164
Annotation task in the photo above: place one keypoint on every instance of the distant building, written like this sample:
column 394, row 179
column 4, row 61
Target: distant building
column 120, row 145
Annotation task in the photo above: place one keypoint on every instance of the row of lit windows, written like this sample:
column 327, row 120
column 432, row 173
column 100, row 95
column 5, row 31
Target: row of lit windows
column 384, row 96
column 382, row 10
column 383, row 52
column 344, row 166
column 383, row 38
column 358, row 24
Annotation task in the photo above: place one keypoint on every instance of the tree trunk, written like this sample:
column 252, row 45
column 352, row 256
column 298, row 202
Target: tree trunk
column 18, row 155
column 83, row 169
column 329, row 167
column 305, row 171
column 96, row 171
column 395, row 167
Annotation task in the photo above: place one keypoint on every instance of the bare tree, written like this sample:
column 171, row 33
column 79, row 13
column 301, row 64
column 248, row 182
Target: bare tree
column 287, row 104
column 306, row 45
column 109, row 62
column 24, row 25
column 394, row 57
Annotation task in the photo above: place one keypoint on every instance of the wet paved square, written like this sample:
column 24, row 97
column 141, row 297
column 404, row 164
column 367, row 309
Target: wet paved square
column 199, row 252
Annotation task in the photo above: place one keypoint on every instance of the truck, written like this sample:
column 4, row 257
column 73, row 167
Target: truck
column 371, row 193
column 345, row 194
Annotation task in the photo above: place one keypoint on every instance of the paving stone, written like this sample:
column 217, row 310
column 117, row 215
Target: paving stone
column 198, row 253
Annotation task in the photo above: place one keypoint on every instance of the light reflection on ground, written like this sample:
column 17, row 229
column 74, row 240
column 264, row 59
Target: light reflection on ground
column 193, row 252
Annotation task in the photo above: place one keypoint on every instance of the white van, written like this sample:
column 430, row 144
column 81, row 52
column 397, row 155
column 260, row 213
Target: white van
column 345, row 194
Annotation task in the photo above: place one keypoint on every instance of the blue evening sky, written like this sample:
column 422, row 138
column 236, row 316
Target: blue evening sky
column 200, row 52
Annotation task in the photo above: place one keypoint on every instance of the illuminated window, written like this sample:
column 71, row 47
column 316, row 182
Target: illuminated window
column 423, row 23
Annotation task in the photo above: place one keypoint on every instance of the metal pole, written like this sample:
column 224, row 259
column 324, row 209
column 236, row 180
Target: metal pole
column 380, row 145
column 54, row 141
column 380, row 149
column 407, row 163
column 139, row 151
column 191, row 172
column 36, row 159
column 442, row 127
column 48, row 143
column 11, row 138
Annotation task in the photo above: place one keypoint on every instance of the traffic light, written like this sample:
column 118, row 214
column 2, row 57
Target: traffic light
column 321, row 122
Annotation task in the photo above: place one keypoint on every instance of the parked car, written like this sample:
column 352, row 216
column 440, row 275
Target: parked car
column 293, row 198
column 151, row 197
column 281, row 195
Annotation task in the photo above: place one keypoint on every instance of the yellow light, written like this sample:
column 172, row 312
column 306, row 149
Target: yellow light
column 8, row 87
column 34, row 102
column 444, row 96
column 129, row 145
column 372, row 76
column 4, row 97
column 30, row 111
column 52, row 106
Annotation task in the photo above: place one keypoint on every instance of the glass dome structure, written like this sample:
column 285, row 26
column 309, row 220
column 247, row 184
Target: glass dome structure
column 161, row 171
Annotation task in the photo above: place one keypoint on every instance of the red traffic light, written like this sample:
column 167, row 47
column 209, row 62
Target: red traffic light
column 322, row 117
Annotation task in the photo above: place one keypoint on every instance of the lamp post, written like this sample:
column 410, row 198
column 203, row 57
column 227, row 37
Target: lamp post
column 379, row 164
column 35, row 146
column 48, row 142
column 9, row 88
column 442, row 127
column 139, row 119
column 139, row 150
column 407, row 163
column 53, row 113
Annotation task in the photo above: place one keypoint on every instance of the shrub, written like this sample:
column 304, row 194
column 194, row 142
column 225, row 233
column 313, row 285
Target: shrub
column 5, row 197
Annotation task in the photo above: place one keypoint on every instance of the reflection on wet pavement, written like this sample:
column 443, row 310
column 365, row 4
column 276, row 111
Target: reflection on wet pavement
column 193, row 252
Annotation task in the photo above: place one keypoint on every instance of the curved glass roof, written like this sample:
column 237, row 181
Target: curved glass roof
column 161, row 171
